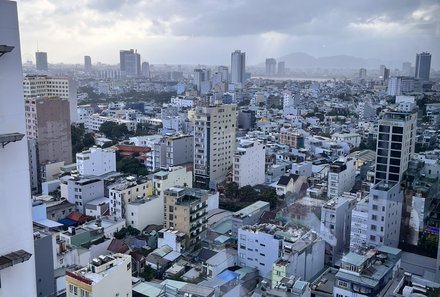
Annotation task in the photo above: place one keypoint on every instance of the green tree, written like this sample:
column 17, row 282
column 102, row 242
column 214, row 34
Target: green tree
column 247, row 193
column 88, row 140
column 269, row 195
column 107, row 129
column 231, row 190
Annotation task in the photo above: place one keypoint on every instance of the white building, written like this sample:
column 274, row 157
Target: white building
column 341, row 177
column 16, row 278
column 145, row 211
column 104, row 276
column 359, row 225
column 175, row 239
column 93, row 122
column 45, row 86
column 96, row 161
column 249, row 163
column 184, row 101
column 174, row 150
column 385, row 214
column 354, row 139
column 261, row 246
column 122, row 193
column 83, row 112
column 336, row 225
column 174, row 176
column 214, row 143
column 80, row 191
column 395, row 145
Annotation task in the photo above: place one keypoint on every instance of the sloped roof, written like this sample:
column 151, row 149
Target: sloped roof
column 118, row 246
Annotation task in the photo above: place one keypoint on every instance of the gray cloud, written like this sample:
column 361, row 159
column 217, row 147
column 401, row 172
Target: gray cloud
column 171, row 30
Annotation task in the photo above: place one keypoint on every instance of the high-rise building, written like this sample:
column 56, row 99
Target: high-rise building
column 281, row 68
column 45, row 86
column 130, row 63
column 395, row 144
column 406, row 68
column 362, row 73
column 87, row 64
column 214, row 143
column 41, row 61
column 145, row 69
column 238, row 66
column 386, row 74
column 108, row 275
column 48, row 132
column 225, row 73
column 341, row 177
column 271, row 67
column 423, row 66
column 17, row 261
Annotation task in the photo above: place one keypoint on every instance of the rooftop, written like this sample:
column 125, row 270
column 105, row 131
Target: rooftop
column 99, row 268
column 252, row 209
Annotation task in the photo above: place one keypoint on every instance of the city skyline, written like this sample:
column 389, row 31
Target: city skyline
column 392, row 30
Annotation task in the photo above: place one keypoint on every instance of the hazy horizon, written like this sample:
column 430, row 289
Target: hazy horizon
column 206, row 32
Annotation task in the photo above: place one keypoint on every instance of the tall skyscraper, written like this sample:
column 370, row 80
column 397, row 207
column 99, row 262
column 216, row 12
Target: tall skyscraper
column 238, row 66
column 362, row 73
column 214, row 144
column 406, row 68
column 41, row 61
column 225, row 73
column 145, row 69
column 281, row 68
column 423, row 66
column 17, row 262
column 46, row 86
column 386, row 73
column 271, row 67
column 87, row 64
column 130, row 63
column 395, row 144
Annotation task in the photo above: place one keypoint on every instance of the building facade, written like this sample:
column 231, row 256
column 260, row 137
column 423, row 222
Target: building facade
column 249, row 163
column 17, row 277
column 423, row 66
column 238, row 67
column 214, row 144
column 96, row 161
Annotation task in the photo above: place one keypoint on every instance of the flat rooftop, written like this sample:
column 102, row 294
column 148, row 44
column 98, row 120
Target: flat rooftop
column 251, row 209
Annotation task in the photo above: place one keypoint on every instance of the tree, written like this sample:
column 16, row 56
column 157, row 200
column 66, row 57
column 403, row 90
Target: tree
column 107, row 128
column 231, row 190
column 131, row 166
column 269, row 195
column 88, row 140
column 247, row 193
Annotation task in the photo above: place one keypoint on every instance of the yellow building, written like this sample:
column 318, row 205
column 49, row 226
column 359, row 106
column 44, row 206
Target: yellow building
column 185, row 211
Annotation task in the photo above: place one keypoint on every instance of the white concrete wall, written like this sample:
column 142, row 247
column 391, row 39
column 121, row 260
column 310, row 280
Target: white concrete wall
column 15, row 199
column 140, row 215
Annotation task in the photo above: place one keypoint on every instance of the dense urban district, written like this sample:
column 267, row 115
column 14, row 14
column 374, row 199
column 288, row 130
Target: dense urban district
column 198, row 180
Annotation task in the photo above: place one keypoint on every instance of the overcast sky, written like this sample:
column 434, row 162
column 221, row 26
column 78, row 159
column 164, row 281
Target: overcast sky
column 206, row 31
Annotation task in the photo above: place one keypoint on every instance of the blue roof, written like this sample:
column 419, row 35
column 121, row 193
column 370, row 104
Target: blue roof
column 228, row 275
column 67, row 222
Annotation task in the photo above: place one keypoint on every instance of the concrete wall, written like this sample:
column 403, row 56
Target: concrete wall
column 44, row 265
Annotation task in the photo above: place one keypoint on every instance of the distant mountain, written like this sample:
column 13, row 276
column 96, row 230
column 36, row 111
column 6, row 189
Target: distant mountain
column 305, row 61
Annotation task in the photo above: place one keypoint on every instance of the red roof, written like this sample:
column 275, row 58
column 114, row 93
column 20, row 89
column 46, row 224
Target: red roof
column 132, row 148
column 77, row 217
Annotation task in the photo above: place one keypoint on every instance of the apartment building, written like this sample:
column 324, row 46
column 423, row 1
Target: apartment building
column 174, row 150
column 185, row 211
column 264, row 246
column 105, row 276
column 96, row 161
column 214, row 144
column 341, row 177
column 249, row 163
column 46, row 86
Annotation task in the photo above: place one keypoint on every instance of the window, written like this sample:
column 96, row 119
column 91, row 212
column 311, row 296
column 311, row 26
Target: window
column 71, row 288
column 374, row 217
column 342, row 284
column 372, row 238
column 375, row 207
column 373, row 227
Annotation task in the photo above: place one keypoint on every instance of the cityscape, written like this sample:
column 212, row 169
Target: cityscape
column 204, row 151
